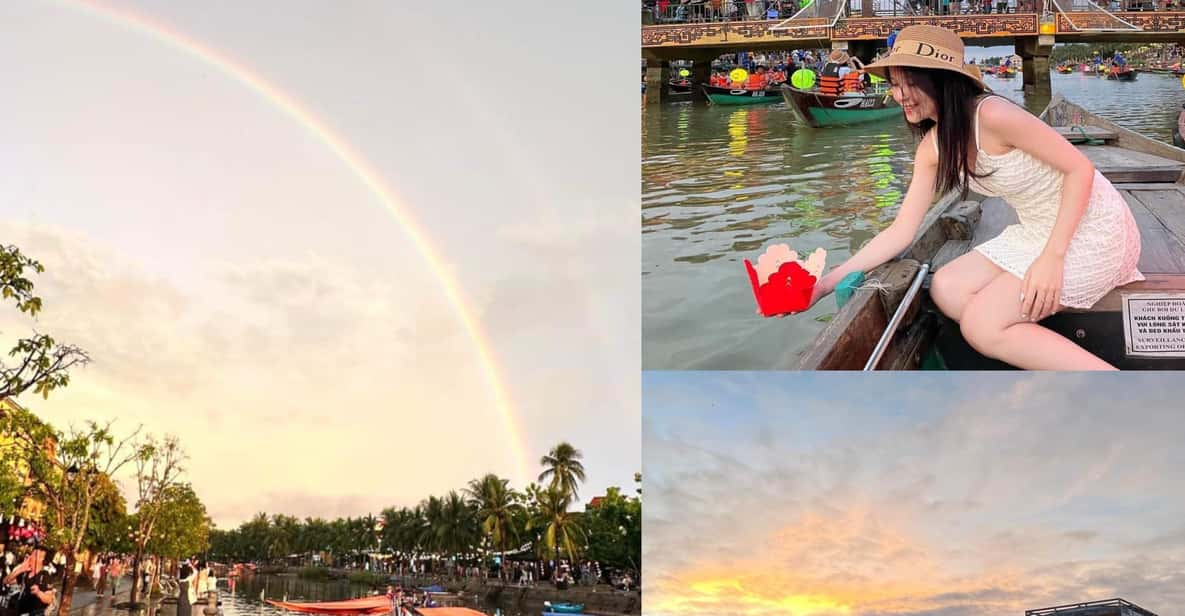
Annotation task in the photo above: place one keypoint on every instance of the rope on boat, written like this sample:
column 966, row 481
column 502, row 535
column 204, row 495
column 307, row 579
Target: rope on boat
column 875, row 285
column 1087, row 138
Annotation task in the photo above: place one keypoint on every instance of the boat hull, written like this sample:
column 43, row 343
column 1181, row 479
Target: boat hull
column 378, row 604
column 822, row 110
column 726, row 96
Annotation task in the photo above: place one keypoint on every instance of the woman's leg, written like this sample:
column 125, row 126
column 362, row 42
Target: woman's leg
column 991, row 323
column 955, row 283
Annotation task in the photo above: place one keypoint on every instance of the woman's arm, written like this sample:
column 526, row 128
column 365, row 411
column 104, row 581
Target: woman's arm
column 1009, row 125
column 894, row 239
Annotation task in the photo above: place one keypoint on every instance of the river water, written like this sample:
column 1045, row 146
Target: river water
column 245, row 598
column 719, row 184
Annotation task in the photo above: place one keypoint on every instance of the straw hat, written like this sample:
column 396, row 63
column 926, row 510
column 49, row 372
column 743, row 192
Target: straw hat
column 926, row 47
column 838, row 56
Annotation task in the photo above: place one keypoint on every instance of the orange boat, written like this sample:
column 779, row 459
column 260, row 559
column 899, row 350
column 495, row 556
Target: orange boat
column 377, row 604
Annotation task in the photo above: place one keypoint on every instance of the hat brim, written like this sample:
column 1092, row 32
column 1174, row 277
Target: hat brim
column 881, row 67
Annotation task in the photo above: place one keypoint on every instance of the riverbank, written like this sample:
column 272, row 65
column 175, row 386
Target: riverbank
column 599, row 599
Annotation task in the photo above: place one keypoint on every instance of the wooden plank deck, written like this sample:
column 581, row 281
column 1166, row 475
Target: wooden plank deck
column 1075, row 134
column 1122, row 165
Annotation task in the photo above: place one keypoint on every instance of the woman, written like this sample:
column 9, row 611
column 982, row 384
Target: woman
column 1076, row 239
column 185, row 595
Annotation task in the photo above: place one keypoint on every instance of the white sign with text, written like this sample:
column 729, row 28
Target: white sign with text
column 1154, row 324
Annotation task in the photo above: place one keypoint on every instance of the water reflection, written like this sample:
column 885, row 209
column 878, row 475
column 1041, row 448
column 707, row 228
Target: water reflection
column 721, row 183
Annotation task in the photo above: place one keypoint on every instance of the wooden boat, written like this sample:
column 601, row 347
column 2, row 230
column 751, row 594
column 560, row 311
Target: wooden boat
column 729, row 96
column 680, row 86
column 822, row 110
column 1006, row 73
column 447, row 611
column 1065, row 69
column 909, row 332
column 1125, row 74
column 377, row 604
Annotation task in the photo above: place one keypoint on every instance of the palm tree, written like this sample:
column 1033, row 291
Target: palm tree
column 563, row 466
column 457, row 531
column 496, row 505
column 559, row 527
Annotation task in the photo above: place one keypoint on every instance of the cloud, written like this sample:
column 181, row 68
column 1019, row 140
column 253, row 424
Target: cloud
column 1014, row 493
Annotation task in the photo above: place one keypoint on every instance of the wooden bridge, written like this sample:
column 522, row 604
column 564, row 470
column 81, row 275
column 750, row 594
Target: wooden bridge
column 863, row 35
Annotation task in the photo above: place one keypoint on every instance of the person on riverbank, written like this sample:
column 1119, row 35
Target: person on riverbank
column 36, row 578
column 186, row 576
column 114, row 571
column 1076, row 239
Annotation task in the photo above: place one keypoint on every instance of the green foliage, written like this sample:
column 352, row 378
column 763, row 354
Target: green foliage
column 109, row 519
column 561, row 532
column 41, row 363
column 366, row 577
column 182, row 525
column 614, row 530
column 562, row 465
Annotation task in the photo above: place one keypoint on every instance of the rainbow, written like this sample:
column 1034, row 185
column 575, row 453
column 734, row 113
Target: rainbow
column 360, row 167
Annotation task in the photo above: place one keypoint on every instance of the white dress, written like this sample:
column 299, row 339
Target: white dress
column 1105, row 248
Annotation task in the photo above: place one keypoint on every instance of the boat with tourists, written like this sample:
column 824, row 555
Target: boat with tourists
column 1065, row 68
column 719, row 95
column 819, row 110
column 898, row 327
column 1125, row 73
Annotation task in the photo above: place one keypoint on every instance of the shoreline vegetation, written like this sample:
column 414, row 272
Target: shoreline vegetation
column 59, row 500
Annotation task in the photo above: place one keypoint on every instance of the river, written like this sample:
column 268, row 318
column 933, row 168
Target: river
column 719, row 184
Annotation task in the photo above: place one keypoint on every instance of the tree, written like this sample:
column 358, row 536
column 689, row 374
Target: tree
column 614, row 529
column 564, row 468
column 495, row 504
column 183, row 527
column 158, row 468
column 560, row 529
column 68, row 472
column 41, row 364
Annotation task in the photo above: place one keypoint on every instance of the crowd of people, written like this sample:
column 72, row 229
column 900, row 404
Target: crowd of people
column 679, row 11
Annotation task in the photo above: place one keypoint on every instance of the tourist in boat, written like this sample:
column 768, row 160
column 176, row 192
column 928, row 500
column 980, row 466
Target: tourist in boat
column 757, row 81
column 1076, row 239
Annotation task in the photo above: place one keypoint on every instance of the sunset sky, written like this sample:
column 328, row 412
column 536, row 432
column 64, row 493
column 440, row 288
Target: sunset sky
column 959, row 495
column 240, row 284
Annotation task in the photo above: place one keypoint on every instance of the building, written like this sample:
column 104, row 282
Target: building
column 1107, row 607
column 28, row 507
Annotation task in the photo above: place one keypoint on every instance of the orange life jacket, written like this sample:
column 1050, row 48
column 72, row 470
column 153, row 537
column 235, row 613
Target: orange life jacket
column 828, row 85
column 755, row 82
column 852, row 82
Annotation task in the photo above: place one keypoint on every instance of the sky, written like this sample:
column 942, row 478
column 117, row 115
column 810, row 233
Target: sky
column 252, row 214
column 938, row 495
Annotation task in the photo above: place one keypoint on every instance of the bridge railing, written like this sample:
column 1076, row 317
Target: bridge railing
column 699, row 11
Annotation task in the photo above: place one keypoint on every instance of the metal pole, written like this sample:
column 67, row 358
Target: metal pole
column 891, row 328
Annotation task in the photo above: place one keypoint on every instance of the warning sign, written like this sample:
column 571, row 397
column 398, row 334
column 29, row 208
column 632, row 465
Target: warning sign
column 1154, row 324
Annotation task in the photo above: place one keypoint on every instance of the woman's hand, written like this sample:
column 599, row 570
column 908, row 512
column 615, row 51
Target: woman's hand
column 1041, row 290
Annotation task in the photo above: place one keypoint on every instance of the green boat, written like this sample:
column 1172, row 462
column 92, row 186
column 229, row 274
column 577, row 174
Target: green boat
column 728, row 96
column 819, row 110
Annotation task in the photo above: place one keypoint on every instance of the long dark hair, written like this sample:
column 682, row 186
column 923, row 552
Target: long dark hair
column 955, row 96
